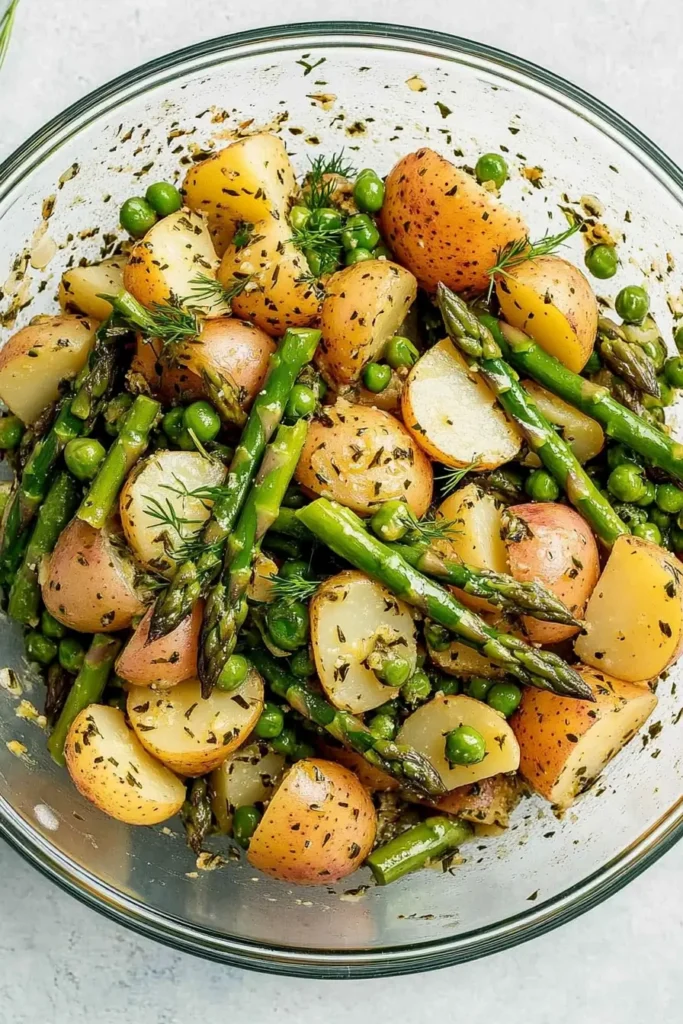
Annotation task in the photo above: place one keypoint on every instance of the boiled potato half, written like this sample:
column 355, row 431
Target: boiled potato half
column 170, row 261
column 246, row 182
column 364, row 306
column 426, row 729
column 565, row 743
column 633, row 625
column 584, row 435
column 362, row 457
column 110, row 768
column 442, row 225
column 554, row 547
column 159, row 486
column 189, row 734
column 475, row 536
column 487, row 802
column 318, row 827
column 81, row 288
column 47, row 353
column 90, row 581
column 245, row 778
column 350, row 614
column 164, row 662
column 551, row 300
column 452, row 413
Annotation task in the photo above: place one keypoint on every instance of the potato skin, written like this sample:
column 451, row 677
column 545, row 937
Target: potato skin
column 364, row 306
column 487, row 802
column 442, row 224
column 164, row 662
column 89, row 586
column 560, row 552
column 340, row 460
column 319, row 826
column 235, row 349
column 111, row 769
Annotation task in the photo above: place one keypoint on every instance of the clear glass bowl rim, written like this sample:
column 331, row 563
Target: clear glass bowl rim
column 398, row 959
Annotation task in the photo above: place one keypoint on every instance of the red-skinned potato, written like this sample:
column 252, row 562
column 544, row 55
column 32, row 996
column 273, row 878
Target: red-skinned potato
column 318, row 827
column 487, row 802
column 163, row 662
column 364, row 306
column 552, row 544
column 565, row 743
column 442, row 225
column 363, row 457
column 89, row 585
column 232, row 348
column 48, row 352
column 372, row 778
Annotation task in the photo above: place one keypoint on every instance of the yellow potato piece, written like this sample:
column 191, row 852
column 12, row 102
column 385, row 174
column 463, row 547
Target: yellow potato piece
column 634, row 618
column 453, row 415
column 584, row 435
column 475, row 537
column 246, row 777
column 81, row 287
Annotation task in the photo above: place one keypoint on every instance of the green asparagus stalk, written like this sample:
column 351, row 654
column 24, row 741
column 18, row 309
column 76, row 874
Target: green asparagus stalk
column 54, row 514
column 414, row 771
column 196, row 815
column 411, row 850
column 96, row 379
column 88, row 687
column 194, row 577
column 626, row 359
column 124, row 452
column 345, row 534
column 552, row 450
column 226, row 602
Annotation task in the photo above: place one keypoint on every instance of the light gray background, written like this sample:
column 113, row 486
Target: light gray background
column 62, row 963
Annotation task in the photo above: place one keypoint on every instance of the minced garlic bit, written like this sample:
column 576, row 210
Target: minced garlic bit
column 325, row 100
column 16, row 748
column 9, row 681
column 416, row 84
column 29, row 713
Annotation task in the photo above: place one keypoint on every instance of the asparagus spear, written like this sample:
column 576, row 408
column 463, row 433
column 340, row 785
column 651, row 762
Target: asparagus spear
column 96, row 379
column 413, row 770
column 130, row 444
column 409, row 851
column 54, row 514
column 626, row 359
column 553, row 451
column 344, row 532
column 196, row 815
column 193, row 577
column 88, row 687
column 225, row 606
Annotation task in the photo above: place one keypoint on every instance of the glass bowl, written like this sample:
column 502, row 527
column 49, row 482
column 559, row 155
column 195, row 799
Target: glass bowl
column 378, row 92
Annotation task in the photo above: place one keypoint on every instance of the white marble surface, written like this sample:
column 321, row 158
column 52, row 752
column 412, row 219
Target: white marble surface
column 60, row 962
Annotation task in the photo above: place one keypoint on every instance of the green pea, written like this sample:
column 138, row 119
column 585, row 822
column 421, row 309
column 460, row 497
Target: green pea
column 301, row 664
column 382, row 727
column 357, row 256
column 655, row 417
column 659, row 518
column 233, row 673
column 632, row 514
column 465, row 745
column 49, row 626
column 40, row 648
column 626, row 483
column 325, row 219
column 360, row 232
column 11, row 432
column 315, row 264
column 632, row 304
column 303, row 750
column 173, row 424
column 504, row 697
column 667, row 394
column 478, row 688
column 678, row 338
column 394, row 671
column 656, row 350
column 293, row 567
column 648, row 531
column 400, row 351
column 541, row 486
column 71, row 654
column 185, row 441
column 669, row 498
column 302, row 401
column 83, row 457
column 271, row 723
column 376, row 377
column 299, row 217
column 593, row 365
column 649, row 495
column 619, row 454
column 448, row 685
column 673, row 369
column 115, row 411
column 392, row 520
column 602, row 261
column 245, row 821
column 491, row 167
column 137, row 216
column 677, row 539
column 417, row 688
column 438, row 638
column 368, row 191
column 203, row 420
column 285, row 743
column 164, row 198
column 380, row 252
column 287, row 623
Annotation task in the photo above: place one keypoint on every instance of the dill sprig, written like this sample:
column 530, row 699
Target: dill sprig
column 6, row 26
column 296, row 587
column 166, row 515
column 452, row 477
column 171, row 323
column 432, row 528
column 209, row 290
column 322, row 243
column 523, row 249
column 319, row 191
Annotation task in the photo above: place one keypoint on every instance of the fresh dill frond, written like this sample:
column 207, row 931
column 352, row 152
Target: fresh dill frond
column 523, row 249
column 205, row 494
column 432, row 528
column 243, row 235
column 209, row 290
column 295, row 587
column 319, row 189
column 452, row 477
column 6, row 26
column 164, row 513
column 322, row 244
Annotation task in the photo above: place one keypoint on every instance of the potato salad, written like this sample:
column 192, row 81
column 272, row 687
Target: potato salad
column 343, row 514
